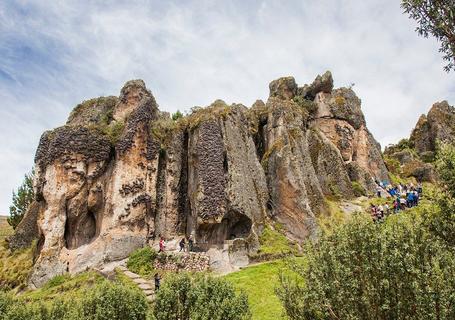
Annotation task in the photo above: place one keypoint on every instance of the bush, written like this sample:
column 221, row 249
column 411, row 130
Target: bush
column 274, row 244
column 201, row 298
column 358, row 189
column 395, row 270
column 141, row 261
column 442, row 221
column 310, row 106
column 106, row 301
column 114, row 302
column 177, row 115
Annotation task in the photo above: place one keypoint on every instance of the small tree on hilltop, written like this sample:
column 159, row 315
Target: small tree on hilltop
column 21, row 200
column 435, row 17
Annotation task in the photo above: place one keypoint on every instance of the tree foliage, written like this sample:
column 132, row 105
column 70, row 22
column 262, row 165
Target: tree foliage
column 437, row 18
column 177, row 115
column 200, row 298
column 442, row 220
column 106, row 301
column 395, row 270
column 21, row 200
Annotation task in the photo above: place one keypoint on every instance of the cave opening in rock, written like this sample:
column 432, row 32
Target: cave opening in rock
column 80, row 230
column 233, row 225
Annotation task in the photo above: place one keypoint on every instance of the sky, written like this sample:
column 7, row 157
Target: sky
column 55, row 54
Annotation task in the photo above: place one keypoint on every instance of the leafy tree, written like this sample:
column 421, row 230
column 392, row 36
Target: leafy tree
column 442, row 221
column 177, row 115
column 21, row 200
column 435, row 17
column 396, row 270
column 200, row 298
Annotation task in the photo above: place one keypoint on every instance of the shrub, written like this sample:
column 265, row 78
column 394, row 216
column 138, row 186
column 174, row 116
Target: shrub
column 141, row 261
column 105, row 301
column 309, row 105
column 177, row 115
column 393, row 165
column 442, row 221
column 358, row 189
column 395, row 270
column 274, row 244
column 114, row 302
column 201, row 298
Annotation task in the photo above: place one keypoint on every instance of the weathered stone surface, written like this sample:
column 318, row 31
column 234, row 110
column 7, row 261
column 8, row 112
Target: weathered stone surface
column 27, row 230
column 423, row 172
column 437, row 125
column 93, row 111
column 121, row 173
column 283, row 88
column 322, row 83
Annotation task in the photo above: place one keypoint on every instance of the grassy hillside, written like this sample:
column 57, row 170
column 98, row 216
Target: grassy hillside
column 259, row 283
column 14, row 267
column 5, row 228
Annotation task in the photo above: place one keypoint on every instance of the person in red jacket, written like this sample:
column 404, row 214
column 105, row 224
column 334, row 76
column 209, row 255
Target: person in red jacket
column 162, row 246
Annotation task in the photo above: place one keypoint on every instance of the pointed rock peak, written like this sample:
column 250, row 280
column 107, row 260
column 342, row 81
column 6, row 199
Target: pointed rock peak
column 258, row 104
column 218, row 103
column 322, row 83
column 130, row 96
column 442, row 106
column 283, row 88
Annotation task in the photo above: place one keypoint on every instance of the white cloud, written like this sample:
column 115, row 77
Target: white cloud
column 55, row 54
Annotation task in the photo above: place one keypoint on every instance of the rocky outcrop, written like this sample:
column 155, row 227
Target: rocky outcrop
column 437, row 125
column 121, row 173
column 27, row 230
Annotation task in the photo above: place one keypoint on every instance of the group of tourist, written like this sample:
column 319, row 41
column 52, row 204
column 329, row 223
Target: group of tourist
column 403, row 195
column 182, row 244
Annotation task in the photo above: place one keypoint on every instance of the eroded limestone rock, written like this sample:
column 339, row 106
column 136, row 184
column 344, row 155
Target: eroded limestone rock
column 121, row 173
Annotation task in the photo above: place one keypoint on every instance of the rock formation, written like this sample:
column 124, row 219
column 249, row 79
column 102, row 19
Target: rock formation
column 437, row 125
column 121, row 173
column 416, row 153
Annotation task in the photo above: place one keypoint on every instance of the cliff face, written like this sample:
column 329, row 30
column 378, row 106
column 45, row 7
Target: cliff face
column 120, row 172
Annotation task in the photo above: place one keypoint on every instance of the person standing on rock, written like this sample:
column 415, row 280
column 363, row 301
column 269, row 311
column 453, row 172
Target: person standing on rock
column 182, row 245
column 157, row 281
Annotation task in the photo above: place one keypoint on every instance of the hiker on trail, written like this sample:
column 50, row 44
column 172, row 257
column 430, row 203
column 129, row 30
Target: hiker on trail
column 157, row 281
column 419, row 189
column 182, row 245
column 379, row 192
column 190, row 243
column 162, row 246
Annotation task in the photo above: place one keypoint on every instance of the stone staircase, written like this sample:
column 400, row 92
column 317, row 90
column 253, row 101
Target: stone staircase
column 147, row 286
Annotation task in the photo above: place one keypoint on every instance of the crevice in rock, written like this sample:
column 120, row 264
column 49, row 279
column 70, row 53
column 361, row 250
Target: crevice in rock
column 259, row 140
column 159, row 215
column 183, row 201
column 225, row 162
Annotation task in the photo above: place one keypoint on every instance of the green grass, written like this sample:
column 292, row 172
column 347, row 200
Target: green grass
column 259, row 283
column 5, row 228
column 67, row 286
column 14, row 266
column 274, row 243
